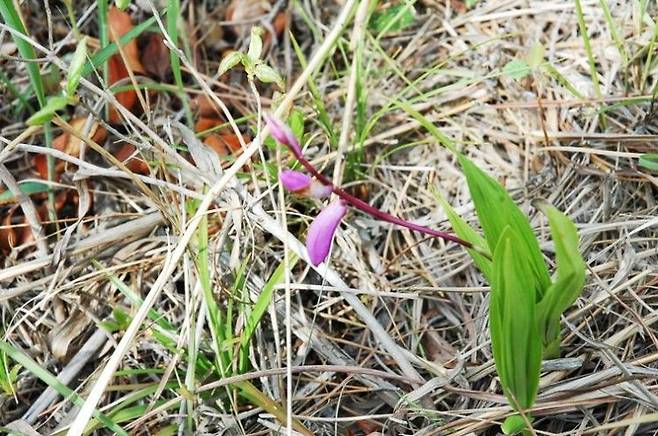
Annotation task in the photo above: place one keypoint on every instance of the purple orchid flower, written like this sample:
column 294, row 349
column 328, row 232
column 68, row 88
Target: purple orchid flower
column 300, row 183
column 294, row 181
column 322, row 229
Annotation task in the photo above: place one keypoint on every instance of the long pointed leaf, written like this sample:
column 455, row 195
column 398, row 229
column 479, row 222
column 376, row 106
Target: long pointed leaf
column 570, row 276
column 496, row 210
column 516, row 342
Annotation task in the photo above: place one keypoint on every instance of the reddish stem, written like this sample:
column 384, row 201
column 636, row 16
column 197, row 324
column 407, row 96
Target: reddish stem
column 373, row 211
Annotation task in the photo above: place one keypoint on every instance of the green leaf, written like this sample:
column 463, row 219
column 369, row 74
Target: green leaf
column 75, row 69
column 536, row 55
column 649, row 161
column 496, row 210
column 44, row 375
column 262, row 303
column 45, row 114
column 267, row 74
column 255, row 44
column 229, row 61
column 467, row 233
column 122, row 4
column 26, row 188
column 516, row 69
column 514, row 424
column 393, row 19
column 516, row 343
column 104, row 54
column 569, row 281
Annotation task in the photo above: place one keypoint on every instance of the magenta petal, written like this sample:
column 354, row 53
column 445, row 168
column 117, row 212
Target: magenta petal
column 294, row 181
column 282, row 133
column 322, row 229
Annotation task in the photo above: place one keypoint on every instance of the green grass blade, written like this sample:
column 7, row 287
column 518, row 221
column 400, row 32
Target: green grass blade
column 318, row 99
column 13, row 20
column 52, row 381
column 262, row 303
column 100, row 58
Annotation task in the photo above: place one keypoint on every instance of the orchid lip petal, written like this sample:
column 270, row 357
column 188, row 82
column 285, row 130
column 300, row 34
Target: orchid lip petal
column 282, row 133
column 294, row 181
column 322, row 230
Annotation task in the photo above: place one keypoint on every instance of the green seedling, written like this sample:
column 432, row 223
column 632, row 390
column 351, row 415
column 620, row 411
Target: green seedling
column 253, row 65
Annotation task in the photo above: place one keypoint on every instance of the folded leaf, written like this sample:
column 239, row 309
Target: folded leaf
column 570, row 276
column 515, row 340
column 467, row 233
column 496, row 210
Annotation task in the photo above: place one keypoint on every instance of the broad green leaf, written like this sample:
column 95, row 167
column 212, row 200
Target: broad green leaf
column 496, row 210
column 649, row 161
column 267, row 74
column 45, row 114
column 255, row 44
column 516, row 69
column 570, row 276
column 75, row 69
column 467, row 233
column 515, row 340
column 393, row 19
column 229, row 61
column 514, row 424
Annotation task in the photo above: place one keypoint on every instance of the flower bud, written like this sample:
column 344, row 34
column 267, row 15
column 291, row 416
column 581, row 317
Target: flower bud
column 282, row 133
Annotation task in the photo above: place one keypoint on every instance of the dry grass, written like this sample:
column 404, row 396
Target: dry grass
column 393, row 334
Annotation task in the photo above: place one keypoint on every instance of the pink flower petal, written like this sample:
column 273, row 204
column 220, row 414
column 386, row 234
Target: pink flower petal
column 282, row 133
column 322, row 229
column 294, row 181
column 319, row 190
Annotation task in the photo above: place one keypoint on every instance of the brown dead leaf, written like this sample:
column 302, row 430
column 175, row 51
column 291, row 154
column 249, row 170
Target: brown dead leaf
column 206, row 123
column 225, row 144
column 155, row 57
column 68, row 144
column 120, row 23
column 245, row 11
column 205, row 107
column 9, row 234
column 135, row 164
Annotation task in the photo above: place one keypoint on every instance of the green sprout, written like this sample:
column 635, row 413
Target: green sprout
column 252, row 62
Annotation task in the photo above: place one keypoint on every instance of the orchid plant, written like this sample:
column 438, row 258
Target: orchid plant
column 321, row 232
column 526, row 302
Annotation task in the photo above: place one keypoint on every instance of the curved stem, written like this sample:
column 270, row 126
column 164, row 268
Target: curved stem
column 379, row 214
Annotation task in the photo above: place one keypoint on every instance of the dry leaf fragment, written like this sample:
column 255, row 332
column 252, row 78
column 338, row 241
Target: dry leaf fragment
column 135, row 164
column 119, row 24
column 155, row 57
column 68, row 144
column 9, row 234
column 205, row 107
